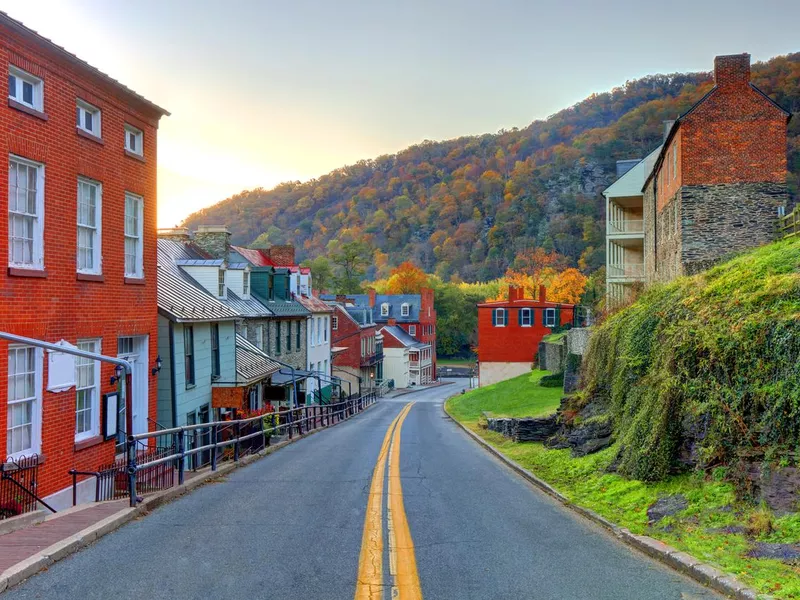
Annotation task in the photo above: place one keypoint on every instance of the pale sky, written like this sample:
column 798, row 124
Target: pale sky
column 265, row 91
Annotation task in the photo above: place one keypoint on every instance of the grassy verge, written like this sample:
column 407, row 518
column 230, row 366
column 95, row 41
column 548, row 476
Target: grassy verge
column 696, row 530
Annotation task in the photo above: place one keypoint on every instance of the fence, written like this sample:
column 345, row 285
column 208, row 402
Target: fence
column 18, row 481
column 158, row 460
column 789, row 225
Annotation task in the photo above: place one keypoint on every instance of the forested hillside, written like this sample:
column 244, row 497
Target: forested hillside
column 466, row 207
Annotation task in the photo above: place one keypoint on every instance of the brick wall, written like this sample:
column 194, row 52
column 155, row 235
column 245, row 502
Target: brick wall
column 59, row 306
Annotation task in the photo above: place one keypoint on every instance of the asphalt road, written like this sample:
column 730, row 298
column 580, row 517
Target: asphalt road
column 290, row 527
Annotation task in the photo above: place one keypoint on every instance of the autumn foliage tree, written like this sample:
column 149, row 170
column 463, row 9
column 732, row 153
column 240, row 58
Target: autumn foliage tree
column 567, row 286
column 407, row 278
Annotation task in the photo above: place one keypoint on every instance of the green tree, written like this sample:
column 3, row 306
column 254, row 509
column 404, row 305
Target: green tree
column 351, row 259
column 321, row 272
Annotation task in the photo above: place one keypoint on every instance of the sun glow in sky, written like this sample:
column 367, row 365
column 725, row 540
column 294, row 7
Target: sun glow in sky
column 265, row 91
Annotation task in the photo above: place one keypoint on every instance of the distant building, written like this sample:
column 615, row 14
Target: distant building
column 79, row 237
column 406, row 360
column 357, row 347
column 509, row 332
column 319, row 346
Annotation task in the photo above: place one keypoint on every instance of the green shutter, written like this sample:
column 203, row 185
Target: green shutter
column 278, row 347
column 519, row 316
column 494, row 317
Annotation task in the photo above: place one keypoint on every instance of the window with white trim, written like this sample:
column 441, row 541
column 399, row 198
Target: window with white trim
column 334, row 323
column 134, row 208
column 134, row 140
column 525, row 317
column 221, row 283
column 385, row 309
column 87, row 118
column 246, row 284
column 325, row 330
column 89, row 216
column 499, row 317
column 25, row 88
column 404, row 310
column 260, row 337
column 24, row 422
column 87, row 392
column 412, row 330
column 549, row 317
column 25, row 213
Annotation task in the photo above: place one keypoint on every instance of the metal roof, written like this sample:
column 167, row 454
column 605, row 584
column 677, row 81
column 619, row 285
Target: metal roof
column 402, row 336
column 180, row 301
column 285, row 308
column 631, row 183
column 200, row 262
column 238, row 266
column 249, row 307
column 395, row 302
column 314, row 305
column 252, row 364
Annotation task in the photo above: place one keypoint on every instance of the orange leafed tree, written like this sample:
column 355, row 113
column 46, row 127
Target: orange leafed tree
column 531, row 269
column 567, row 286
column 407, row 278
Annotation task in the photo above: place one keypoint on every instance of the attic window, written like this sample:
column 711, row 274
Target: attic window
column 246, row 284
column 221, row 281
column 404, row 310
column 385, row 309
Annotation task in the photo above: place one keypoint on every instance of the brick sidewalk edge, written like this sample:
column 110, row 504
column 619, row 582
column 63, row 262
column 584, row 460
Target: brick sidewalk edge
column 46, row 557
column 680, row 561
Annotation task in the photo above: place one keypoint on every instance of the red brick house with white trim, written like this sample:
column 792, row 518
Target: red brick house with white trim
column 80, row 248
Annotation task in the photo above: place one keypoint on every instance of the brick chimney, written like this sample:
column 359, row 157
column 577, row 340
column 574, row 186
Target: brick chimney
column 732, row 70
column 392, row 322
column 515, row 293
column 341, row 299
column 176, row 234
column 282, row 256
column 371, row 294
column 542, row 294
column 214, row 240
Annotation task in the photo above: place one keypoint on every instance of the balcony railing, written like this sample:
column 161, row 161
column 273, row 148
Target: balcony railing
column 626, row 226
column 371, row 359
column 628, row 270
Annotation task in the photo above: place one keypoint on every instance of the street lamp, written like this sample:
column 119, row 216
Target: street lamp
column 117, row 375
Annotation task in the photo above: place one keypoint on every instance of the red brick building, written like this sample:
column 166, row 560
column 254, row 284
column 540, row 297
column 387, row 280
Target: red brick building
column 81, row 250
column 509, row 332
column 356, row 348
column 719, row 178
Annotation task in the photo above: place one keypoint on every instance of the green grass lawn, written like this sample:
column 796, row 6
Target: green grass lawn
column 554, row 337
column 517, row 397
column 455, row 362
column 712, row 503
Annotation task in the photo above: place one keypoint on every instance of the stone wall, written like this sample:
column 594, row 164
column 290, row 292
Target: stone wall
column 551, row 356
column 578, row 340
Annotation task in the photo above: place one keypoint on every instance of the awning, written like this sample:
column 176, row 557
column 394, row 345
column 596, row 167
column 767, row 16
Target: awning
column 284, row 376
column 252, row 365
column 338, row 349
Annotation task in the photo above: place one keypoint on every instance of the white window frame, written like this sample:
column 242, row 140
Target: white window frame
column 36, row 408
column 36, row 83
column 138, row 272
column 82, row 109
column 260, row 337
column 138, row 135
column 498, row 312
column 526, row 312
column 37, row 242
column 90, row 345
column 312, row 330
column 405, row 310
column 412, row 330
column 221, row 287
column 385, row 309
column 325, row 330
column 335, row 323
column 550, row 317
column 246, row 285
column 97, row 233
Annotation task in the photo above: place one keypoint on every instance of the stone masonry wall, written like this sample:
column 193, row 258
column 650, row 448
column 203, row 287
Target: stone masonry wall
column 551, row 356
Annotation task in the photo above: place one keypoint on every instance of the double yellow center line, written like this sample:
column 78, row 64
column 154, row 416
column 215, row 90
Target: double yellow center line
column 402, row 560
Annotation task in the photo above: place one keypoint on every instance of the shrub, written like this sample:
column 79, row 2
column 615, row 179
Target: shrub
column 552, row 381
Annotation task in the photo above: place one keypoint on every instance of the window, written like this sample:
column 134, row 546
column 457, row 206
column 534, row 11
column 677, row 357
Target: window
column 87, row 392
column 270, row 288
column 385, row 309
column 334, row 323
column 325, row 330
column 260, row 337
column 25, row 88
column 87, row 118
column 133, row 235
column 313, row 330
column 134, row 140
column 525, row 317
column 404, row 310
column 499, row 317
column 412, row 330
column 297, row 336
column 188, row 354
column 215, row 366
column 549, row 317
column 246, row 284
column 23, row 431
column 278, row 338
column 325, row 367
column 288, row 336
column 25, row 213
column 674, row 161
column 89, row 214
column 221, row 282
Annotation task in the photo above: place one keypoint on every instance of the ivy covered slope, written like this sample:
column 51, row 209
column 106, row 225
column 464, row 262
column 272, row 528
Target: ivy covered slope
column 705, row 371
column 467, row 206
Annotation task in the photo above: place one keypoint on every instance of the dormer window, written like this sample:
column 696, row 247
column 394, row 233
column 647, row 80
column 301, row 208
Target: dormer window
column 404, row 310
column 25, row 88
column 88, row 118
column 221, row 280
column 385, row 309
column 246, row 284
column 134, row 140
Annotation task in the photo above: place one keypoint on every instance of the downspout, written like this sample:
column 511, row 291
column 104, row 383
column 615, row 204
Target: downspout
column 172, row 392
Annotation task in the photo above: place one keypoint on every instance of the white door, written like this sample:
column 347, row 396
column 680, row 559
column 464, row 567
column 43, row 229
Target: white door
column 134, row 350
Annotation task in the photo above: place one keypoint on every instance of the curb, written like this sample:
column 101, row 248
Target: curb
column 47, row 556
column 665, row 554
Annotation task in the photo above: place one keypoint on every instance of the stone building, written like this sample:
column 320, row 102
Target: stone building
column 719, row 179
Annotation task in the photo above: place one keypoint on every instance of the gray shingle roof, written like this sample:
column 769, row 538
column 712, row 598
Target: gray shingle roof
column 180, row 301
column 395, row 302
column 284, row 308
column 403, row 337
column 251, row 363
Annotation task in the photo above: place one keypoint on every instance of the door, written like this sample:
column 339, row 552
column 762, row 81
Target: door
column 134, row 350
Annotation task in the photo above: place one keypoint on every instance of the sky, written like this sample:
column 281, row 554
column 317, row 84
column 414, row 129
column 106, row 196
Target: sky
column 266, row 91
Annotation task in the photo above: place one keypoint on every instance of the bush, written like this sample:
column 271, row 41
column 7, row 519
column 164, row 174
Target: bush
column 552, row 381
column 719, row 349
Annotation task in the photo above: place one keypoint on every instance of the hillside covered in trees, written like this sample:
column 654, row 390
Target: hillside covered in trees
column 467, row 207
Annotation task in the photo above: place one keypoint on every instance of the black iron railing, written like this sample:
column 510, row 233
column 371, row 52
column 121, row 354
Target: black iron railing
column 19, row 479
